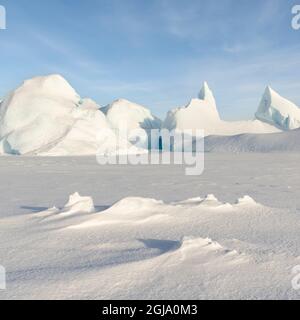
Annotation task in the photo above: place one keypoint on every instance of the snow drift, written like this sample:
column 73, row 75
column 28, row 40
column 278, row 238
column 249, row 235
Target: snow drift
column 208, row 247
column 209, row 250
column 288, row 141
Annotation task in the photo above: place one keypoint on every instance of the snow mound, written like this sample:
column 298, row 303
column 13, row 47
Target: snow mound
column 142, row 210
column 202, row 114
column 133, row 122
column 76, row 205
column 246, row 201
column 189, row 243
column 191, row 201
column 80, row 204
column 211, row 201
column 132, row 210
column 278, row 111
column 207, row 251
column 211, row 197
column 136, row 204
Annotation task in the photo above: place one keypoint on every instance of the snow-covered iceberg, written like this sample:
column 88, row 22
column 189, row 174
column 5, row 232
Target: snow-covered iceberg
column 202, row 114
column 278, row 111
column 134, row 121
column 37, row 114
column 45, row 116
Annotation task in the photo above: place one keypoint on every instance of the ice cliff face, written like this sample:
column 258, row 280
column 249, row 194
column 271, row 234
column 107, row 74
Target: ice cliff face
column 278, row 111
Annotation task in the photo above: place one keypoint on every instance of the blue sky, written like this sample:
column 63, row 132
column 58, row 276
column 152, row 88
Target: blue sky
column 156, row 52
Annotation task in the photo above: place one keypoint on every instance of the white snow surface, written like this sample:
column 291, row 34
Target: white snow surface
column 202, row 114
column 287, row 141
column 278, row 111
column 150, row 232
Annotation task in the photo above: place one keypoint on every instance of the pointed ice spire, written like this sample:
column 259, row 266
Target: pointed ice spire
column 269, row 92
column 266, row 100
column 207, row 95
column 278, row 111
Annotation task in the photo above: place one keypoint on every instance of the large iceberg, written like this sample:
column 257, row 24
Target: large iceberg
column 278, row 111
column 46, row 116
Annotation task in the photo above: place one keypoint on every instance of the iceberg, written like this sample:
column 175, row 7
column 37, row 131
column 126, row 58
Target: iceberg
column 202, row 114
column 278, row 111
column 134, row 122
column 45, row 116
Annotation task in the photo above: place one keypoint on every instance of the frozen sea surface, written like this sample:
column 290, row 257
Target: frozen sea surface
column 153, row 233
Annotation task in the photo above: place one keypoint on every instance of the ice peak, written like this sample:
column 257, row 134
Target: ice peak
column 205, row 92
column 278, row 111
column 268, row 88
column 269, row 91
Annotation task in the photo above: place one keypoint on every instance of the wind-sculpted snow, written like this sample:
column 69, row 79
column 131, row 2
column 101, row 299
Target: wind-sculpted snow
column 164, row 238
column 144, row 248
column 142, row 210
column 76, row 205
